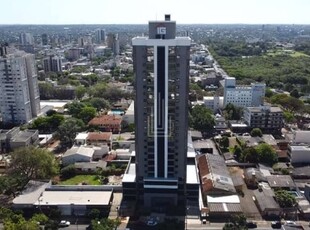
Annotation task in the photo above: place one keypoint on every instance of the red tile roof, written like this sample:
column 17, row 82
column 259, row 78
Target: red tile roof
column 99, row 136
column 106, row 120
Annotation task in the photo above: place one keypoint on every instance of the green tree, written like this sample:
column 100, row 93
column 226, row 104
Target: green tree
column 67, row 131
column 39, row 218
column 202, row 118
column 250, row 155
column 75, row 108
column 68, row 171
column 289, row 117
column 256, row 132
column 267, row 154
column 269, row 93
column 285, row 199
column 237, row 222
column 80, row 92
column 98, row 103
column 33, row 163
column 94, row 214
column 232, row 112
column 87, row 113
column 105, row 224
column 237, row 152
column 98, row 90
column 224, row 142
column 295, row 93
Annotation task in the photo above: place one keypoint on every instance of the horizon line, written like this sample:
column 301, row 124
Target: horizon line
column 220, row 23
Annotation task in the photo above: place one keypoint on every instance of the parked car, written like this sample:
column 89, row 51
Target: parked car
column 290, row 223
column 151, row 223
column 64, row 223
column 276, row 224
column 251, row 224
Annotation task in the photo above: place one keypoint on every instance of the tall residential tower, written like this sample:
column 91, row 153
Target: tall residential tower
column 161, row 66
column 19, row 92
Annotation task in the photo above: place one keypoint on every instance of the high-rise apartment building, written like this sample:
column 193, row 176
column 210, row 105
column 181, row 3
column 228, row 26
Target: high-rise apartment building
column 161, row 66
column 100, row 36
column 26, row 39
column 44, row 39
column 52, row 63
column 19, row 91
column 113, row 43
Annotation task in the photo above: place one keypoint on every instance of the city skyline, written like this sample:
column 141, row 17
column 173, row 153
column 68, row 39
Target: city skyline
column 139, row 12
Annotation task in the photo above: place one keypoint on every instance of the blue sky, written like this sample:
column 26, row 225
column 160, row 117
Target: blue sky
column 141, row 11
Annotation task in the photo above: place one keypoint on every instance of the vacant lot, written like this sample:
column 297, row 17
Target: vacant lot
column 81, row 179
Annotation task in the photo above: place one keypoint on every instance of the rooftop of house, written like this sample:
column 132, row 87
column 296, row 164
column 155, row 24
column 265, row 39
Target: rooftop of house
column 86, row 151
column 265, row 199
column 99, row 136
column 106, row 120
column 214, row 173
column 280, row 181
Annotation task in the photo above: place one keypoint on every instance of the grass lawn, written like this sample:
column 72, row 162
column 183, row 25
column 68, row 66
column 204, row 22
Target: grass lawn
column 282, row 52
column 89, row 179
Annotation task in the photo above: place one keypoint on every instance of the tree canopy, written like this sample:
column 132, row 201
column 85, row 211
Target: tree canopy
column 67, row 131
column 232, row 112
column 202, row 118
column 256, row 132
column 285, row 199
column 31, row 163
column 263, row 153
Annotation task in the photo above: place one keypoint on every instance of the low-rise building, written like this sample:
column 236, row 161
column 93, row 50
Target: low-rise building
column 70, row 200
column 107, row 123
column 264, row 117
column 214, row 175
column 280, row 182
column 299, row 154
column 17, row 138
column 84, row 154
column 264, row 199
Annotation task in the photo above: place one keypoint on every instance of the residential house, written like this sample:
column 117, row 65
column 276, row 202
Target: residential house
column 84, row 154
column 280, row 182
column 77, row 154
column 99, row 138
column 264, row 199
column 107, row 123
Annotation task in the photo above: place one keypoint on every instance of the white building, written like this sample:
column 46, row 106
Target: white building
column 19, row 91
column 129, row 116
column 299, row 153
column 213, row 103
column 243, row 96
column 301, row 137
column 84, row 154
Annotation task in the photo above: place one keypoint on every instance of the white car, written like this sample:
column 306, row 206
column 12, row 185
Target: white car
column 290, row 223
column 64, row 223
column 151, row 222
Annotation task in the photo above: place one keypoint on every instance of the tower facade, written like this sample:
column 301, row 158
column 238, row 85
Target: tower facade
column 19, row 91
column 52, row 63
column 161, row 65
